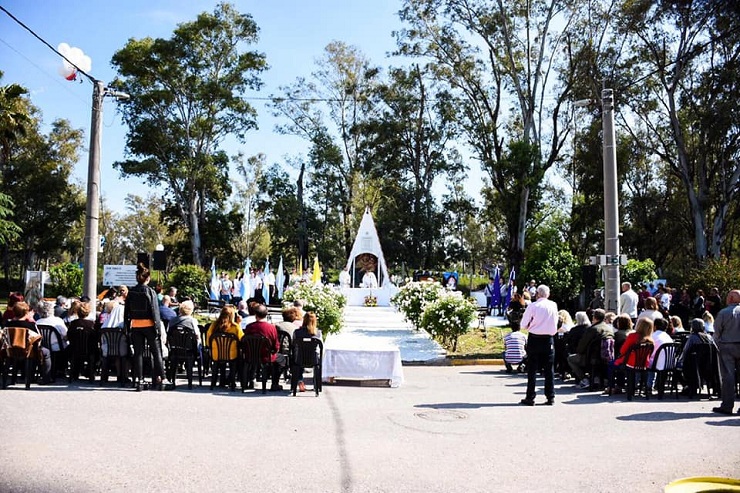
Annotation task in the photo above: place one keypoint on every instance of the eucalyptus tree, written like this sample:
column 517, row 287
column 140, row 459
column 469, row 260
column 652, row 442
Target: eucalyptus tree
column 411, row 142
column 501, row 60
column 250, row 170
column 187, row 95
column 331, row 104
column 681, row 68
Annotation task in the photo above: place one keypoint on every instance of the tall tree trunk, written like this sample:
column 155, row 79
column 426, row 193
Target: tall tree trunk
column 195, row 230
column 302, row 221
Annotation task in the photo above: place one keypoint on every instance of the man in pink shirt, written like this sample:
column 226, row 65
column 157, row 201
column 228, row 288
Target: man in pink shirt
column 541, row 319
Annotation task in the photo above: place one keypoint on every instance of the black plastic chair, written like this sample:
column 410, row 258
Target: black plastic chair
column 596, row 366
column 254, row 347
column 701, row 368
column 83, row 347
column 183, row 345
column 308, row 352
column 17, row 356
column 48, row 334
column 116, row 349
column 205, row 350
column 221, row 344
column 668, row 352
column 640, row 368
column 286, row 349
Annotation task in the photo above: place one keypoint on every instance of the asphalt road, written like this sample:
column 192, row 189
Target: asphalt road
column 446, row 429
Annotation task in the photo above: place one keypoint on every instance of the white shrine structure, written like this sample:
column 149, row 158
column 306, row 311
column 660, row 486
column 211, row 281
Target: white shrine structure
column 367, row 258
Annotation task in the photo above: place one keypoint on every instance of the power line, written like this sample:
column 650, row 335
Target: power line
column 90, row 77
column 45, row 72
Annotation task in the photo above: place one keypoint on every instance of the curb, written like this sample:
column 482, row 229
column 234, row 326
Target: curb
column 476, row 362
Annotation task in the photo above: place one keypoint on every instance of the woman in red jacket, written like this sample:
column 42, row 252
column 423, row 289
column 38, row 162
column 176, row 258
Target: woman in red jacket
column 643, row 333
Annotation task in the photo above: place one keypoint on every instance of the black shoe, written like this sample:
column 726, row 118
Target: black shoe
column 550, row 402
column 721, row 410
column 526, row 402
column 276, row 388
column 138, row 387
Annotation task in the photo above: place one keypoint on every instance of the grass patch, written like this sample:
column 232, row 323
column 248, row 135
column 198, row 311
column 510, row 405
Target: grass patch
column 473, row 345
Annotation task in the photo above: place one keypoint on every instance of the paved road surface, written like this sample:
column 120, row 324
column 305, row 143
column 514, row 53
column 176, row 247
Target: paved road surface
column 446, row 429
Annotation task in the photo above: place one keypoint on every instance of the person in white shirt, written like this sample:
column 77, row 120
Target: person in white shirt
column 541, row 319
column 344, row 278
column 628, row 301
column 45, row 310
column 651, row 309
column 369, row 280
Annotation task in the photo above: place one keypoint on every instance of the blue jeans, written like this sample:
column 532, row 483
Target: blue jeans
column 540, row 355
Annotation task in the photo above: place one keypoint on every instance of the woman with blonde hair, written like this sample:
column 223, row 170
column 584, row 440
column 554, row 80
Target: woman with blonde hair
column 309, row 329
column 565, row 323
column 226, row 323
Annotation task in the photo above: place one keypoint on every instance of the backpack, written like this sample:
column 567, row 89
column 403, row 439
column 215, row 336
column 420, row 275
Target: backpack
column 607, row 349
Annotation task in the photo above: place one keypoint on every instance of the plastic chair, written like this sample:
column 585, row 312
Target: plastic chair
column 221, row 344
column 308, row 352
column 254, row 347
column 48, row 334
column 83, row 346
column 116, row 347
column 701, row 368
column 668, row 353
column 183, row 346
column 642, row 353
column 17, row 354
column 286, row 349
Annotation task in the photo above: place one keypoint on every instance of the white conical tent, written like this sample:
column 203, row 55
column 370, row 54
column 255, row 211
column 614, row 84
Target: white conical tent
column 367, row 241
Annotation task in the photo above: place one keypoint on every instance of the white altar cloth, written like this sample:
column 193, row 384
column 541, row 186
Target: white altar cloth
column 343, row 359
column 356, row 296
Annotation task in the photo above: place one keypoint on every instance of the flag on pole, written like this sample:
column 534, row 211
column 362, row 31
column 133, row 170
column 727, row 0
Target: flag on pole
column 265, row 286
column 280, row 279
column 496, row 294
column 215, row 282
column 510, row 287
column 246, row 287
column 316, row 277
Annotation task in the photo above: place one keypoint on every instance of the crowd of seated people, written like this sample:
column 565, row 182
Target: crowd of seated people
column 599, row 347
column 74, row 318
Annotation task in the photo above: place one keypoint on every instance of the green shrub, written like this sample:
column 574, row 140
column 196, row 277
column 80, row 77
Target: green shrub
column 448, row 317
column 190, row 281
column 638, row 271
column 66, row 279
column 324, row 301
column 722, row 273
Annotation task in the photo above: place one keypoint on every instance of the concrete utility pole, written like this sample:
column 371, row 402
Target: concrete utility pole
column 90, row 259
column 611, row 206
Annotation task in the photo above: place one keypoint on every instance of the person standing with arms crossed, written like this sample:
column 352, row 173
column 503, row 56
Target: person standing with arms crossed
column 541, row 319
column 727, row 337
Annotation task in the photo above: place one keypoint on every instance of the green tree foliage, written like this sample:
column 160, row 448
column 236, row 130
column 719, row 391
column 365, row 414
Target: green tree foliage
column 489, row 51
column 66, row 279
column 550, row 260
column 191, row 281
column 722, row 273
column 186, row 97
column 637, row 271
column 681, row 71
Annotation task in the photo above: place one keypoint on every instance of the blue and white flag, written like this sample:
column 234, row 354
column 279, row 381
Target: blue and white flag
column 215, row 281
column 510, row 288
column 265, row 286
column 280, row 279
column 496, row 295
column 246, row 287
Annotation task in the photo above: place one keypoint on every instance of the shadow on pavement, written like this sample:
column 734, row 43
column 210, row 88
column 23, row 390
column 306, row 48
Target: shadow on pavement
column 727, row 422
column 663, row 416
column 466, row 405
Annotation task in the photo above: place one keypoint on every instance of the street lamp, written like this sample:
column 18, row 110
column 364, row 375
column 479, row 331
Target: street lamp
column 611, row 205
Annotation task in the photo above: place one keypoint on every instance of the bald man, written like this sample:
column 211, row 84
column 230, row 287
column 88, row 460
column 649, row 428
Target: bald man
column 727, row 337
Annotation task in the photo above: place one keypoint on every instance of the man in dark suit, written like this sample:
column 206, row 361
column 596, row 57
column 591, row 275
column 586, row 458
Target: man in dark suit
column 579, row 361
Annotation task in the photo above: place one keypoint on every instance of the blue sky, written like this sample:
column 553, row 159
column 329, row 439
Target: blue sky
column 293, row 34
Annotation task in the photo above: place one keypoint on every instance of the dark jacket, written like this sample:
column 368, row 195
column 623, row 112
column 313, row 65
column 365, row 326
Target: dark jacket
column 597, row 331
column 141, row 304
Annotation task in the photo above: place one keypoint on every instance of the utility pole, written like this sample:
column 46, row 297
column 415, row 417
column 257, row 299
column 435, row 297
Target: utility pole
column 611, row 206
column 92, row 214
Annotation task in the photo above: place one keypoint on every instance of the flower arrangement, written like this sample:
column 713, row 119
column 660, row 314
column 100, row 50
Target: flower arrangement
column 326, row 302
column 413, row 297
column 371, row 300
column 449, row 316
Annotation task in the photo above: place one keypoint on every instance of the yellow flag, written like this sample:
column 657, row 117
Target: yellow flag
column 316, row 278
column 300, row 266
